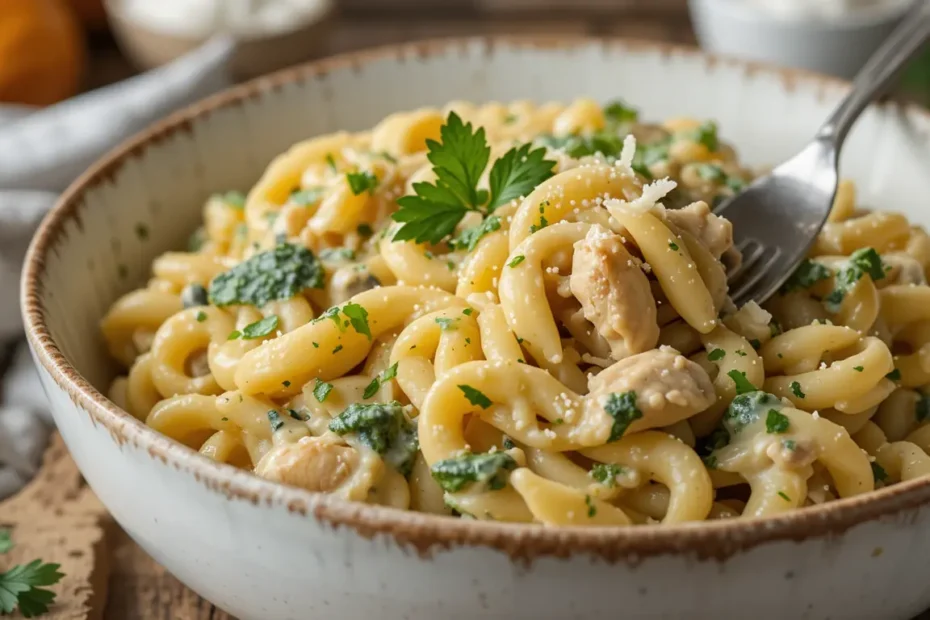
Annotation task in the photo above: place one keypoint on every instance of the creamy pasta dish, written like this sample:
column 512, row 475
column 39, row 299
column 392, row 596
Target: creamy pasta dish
column 520, row 313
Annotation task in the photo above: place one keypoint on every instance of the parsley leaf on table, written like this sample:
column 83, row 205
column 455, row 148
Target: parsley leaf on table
column 20, row 588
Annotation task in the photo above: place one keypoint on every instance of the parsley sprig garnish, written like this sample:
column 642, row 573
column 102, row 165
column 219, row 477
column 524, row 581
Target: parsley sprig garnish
column 21, row 588
column 435, row 209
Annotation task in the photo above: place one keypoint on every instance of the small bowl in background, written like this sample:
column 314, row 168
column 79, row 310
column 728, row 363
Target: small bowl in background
column 148, row 47
column 839, row 45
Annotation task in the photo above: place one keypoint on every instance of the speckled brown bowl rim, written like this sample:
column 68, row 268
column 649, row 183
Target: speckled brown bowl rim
column 423, row 532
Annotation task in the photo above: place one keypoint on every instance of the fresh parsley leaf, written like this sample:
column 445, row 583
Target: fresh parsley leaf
column 276, row 275
column 516, row 260
column 922, row 407
column 6, row 541
column 489, row 469
column 468, row 239
column 617, row 111
column 20, row 587
column 321, row 389
column 360, row 182
column 307, row 197
column 621, row 406
column 516, row 174
column 606, row 473
column 460, row 159
column 864, row 261
column 716, row 355
column 475, row 397
column 429, row 216
column 386, row 375
column 384, row 428
column 358, row 316
column 868, row 261
column 796, row 389
column 805, row 276
column 260, row 329
column 274, row 418
column 234, row 335
column 776, row 422
column 743, row 386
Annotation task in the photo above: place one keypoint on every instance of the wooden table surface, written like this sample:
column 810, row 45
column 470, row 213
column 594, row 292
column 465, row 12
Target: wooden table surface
column 110, row 577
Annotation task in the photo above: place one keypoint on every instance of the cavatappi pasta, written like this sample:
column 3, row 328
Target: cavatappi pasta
column 530, row 322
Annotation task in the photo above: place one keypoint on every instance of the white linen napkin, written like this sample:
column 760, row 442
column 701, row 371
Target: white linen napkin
column 41, row 153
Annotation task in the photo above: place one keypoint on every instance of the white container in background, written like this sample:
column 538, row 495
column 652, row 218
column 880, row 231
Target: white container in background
column 827, row 36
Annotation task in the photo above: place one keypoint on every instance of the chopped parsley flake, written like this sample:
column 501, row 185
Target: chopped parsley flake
column 274, row 418
column 705, row 134
column 385, row 375
column 468, row 239
column 776, row 422
column 260, row 329
column 194, row 295
column 475, row 397
column 233, row 199
column 716, row 355
column 364, row 230
column 894, row 375
column 796, row 389
column 301, row 415
column 201, row 316
column 321, row 389
column 361, row 182
column 878, row 472
column 789, row 444
column 516, row 260
column 359, row 318
column 740, row 352
column 673, row 246
column 489, row 469
column 805, row 276
column 618, row 111
column 782, row 495
column 712, row 173
column 743, row 386
column 286, row 383
column 606, row 473
column 331, row 162
column 233, row 335
column 447, row 324
column 337, row 349
column 755, row 343
column 621, row 406
column 858, row 368
column 543, row 222
column 592, row 509
column 467, row 311
column 276, row 275
column 864, row 261
column 307, row 197
column 337, row 254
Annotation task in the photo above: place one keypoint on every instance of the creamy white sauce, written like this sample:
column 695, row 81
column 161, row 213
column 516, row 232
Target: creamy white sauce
column 201, row 18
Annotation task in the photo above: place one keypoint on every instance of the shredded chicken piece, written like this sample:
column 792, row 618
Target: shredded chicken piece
column 614, row 293
column 321, row 464
column 669, row 387
column 714, row 232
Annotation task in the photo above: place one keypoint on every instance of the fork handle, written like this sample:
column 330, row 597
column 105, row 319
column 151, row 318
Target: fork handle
column 879, row 72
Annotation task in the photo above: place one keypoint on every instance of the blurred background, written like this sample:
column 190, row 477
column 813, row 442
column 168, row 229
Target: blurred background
column 51, row 49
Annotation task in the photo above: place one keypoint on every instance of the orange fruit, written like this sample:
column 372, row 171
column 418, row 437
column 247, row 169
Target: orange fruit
column 41, row 52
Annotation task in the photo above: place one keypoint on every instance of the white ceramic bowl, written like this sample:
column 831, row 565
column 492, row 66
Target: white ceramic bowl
column 266, row 552
column 837, row 46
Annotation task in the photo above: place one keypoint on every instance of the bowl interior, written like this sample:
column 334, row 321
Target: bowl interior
column 146, row 197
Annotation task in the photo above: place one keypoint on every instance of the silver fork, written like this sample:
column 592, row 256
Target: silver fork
column 777, row 218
